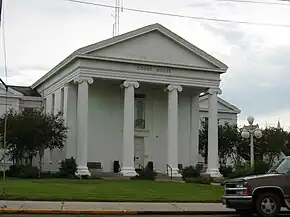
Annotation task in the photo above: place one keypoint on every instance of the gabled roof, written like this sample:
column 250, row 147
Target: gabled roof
column 154, row 27
column 10, row 92
column 26, row 91
column 129, row 35
column 222, row 102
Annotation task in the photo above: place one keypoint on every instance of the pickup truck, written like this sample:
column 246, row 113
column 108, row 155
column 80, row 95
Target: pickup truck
column 263, row 195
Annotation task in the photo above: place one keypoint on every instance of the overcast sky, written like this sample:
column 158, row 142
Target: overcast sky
column 40, row 33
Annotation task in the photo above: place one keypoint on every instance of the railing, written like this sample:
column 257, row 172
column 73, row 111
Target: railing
column 169, row 167
column 141, row 166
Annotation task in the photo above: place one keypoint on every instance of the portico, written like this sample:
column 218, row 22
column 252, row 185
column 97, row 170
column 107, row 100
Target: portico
column 129, row 131
column 143, row 85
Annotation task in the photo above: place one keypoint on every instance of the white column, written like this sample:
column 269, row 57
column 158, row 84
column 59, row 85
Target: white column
column 70, row 115
column 128, row 129
column 172, row 132
column 82, row 125
column 213, row 163
column 194, row 129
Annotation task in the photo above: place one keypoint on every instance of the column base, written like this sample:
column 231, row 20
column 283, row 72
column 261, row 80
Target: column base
column 214, row 172
column 175, row 172
column 128, row 171
column 82, row 171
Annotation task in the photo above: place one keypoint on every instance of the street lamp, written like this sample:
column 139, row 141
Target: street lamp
column 251, row 131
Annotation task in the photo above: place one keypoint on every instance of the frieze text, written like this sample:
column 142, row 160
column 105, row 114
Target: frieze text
column 154, row 69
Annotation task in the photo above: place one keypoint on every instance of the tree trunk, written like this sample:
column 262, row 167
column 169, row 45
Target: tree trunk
column 41, row 153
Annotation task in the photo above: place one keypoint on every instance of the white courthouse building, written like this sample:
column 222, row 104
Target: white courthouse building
column 133, row 98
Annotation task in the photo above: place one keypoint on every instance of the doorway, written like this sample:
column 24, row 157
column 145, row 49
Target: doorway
column 139, row 152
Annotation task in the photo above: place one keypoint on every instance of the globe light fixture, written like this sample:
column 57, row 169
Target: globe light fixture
column 245, row 134
column 251, row 131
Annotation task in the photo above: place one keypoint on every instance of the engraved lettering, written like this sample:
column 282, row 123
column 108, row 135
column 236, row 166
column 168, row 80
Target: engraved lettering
column 144, row 68
column 155, row 69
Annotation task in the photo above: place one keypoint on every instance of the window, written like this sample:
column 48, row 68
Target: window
column 52, row 103
column 140, row 111
column 62, row 100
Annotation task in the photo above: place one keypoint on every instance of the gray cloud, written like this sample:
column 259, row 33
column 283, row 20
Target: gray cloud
column 261, row 86
column 258, row 75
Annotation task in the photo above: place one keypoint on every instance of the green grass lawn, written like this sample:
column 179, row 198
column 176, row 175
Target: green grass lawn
column 101, row 190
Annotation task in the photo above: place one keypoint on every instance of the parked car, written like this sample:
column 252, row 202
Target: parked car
column 263, row 194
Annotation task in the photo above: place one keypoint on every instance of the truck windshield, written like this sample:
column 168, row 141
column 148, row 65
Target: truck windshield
column 282, row 167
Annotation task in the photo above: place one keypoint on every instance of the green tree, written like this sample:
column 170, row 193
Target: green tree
column 268, row 147
column 228, row 138
column 30, row 132
column 231, row 144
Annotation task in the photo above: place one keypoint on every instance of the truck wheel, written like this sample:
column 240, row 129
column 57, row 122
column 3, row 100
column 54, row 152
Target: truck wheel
column 268, row 205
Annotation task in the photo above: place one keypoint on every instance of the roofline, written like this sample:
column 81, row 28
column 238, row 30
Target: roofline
column 12, row 91
column 134, row 33
column 205, row 96
column 51, row 72
column 150, row 28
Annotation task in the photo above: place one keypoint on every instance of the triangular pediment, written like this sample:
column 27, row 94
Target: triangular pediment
column 154, row 44
column 223, row 106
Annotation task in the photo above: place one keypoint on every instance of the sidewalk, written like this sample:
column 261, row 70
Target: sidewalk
column 40, row 207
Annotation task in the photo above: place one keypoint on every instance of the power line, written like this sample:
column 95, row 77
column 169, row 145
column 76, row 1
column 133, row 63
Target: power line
column 258, row 2
column 181, row 16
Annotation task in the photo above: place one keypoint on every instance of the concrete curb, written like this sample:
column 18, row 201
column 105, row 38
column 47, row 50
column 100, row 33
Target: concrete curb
column 68, row 212
column 108, row 201
column 116, row 212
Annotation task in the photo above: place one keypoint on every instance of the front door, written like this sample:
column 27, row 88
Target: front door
column 139, row 152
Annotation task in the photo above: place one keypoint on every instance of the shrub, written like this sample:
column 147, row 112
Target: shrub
column 190, row 172
column 28, row 172
column 241, row 170
column 68, row 168
column 205, row 180
column 261, row 167
column 226, row 170
column 23, row 171
column 146, row 173
column 14, row 171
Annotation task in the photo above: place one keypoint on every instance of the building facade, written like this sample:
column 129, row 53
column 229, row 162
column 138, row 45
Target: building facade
column 135, row 98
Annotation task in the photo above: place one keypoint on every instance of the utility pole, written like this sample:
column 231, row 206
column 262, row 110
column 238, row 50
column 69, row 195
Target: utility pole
column 6, row 87
column 118, row 9
column 5, row 132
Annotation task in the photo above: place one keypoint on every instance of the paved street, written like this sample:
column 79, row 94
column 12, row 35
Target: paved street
column 115, row 215
column 101, row 208
column 121, row 215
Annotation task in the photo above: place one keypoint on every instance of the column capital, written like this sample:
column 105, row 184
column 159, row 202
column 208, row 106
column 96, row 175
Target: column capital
column 127, row 84
column 217, row 91
column 172, row 87
column 79, row 80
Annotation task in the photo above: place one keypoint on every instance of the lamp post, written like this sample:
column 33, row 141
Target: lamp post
column 251, row 131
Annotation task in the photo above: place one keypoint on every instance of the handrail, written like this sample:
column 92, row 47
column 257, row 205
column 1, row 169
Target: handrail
column 142, row 167
column 168, row 166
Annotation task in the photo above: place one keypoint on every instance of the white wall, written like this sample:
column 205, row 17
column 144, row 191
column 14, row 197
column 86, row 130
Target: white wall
column 51, row 159
column 106, row 122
